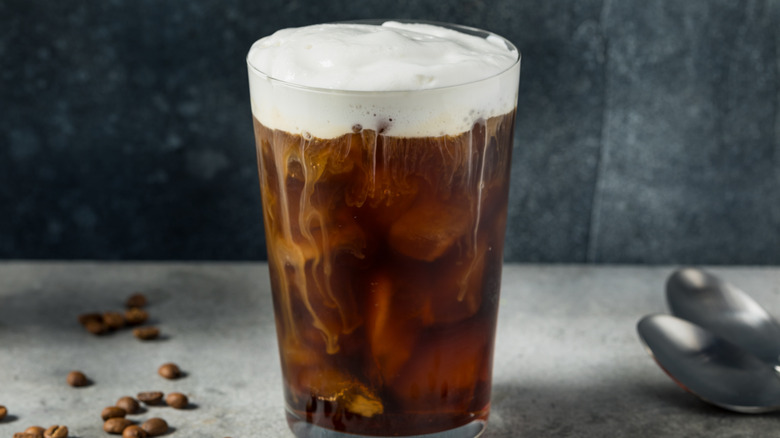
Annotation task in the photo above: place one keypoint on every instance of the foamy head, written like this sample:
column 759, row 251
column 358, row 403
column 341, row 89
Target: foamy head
column 406, row 80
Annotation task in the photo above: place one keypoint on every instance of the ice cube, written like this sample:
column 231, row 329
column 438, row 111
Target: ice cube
column 447, row 370
column 428, row 229
column 443, row 293
column 392, row 334
column 458, row 293
column 297, row 354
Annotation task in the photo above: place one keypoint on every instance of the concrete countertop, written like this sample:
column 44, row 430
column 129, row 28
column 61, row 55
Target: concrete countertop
column 568, row 361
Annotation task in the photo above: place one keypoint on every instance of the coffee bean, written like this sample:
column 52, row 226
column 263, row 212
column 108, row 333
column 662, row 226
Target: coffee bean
column 85, row 318
column 3, row 412
column 129, row 404
column 133, row 432
column 77, row 379
column 56, row 432
column 136, row 316
column 169, row 370
column 96, row 327
column 28, row 435
column 116, row 425
column 155, row 426
column 112, row 412
column 150, row 397
column 177, row 400
column 136, row 300
column 35, row 430
column 113, row 320
column 146, row 333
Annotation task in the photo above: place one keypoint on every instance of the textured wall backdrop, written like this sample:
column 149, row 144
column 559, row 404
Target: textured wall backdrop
column 648, row 132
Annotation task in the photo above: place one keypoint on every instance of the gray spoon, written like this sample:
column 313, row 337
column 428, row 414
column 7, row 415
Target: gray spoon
column 710, row 367
column 726, row 311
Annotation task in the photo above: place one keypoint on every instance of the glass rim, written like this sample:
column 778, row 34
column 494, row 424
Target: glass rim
column 474, row 31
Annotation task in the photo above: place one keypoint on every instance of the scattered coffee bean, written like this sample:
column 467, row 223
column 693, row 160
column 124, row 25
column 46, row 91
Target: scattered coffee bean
column 136, row 316
column 155, row 426
column 28, row 435
column 136, row 300
column 113, row 320
column 169, row 370
column 86, row 318
column 96, row 327
column 146, row 333
column 35, row 430
column 129, row 404
column 112, row 412
column 56, row 432
column 116, row 425
column 3, row 412
column 177, row 400
column 77, row 379
column 150, row 397
column 133, row 432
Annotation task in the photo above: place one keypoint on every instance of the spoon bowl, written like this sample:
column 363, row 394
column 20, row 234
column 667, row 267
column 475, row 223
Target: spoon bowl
column 707, row 301
column 709, row 366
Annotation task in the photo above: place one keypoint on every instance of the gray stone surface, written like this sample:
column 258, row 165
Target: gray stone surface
column 568, row 361
column 646, row 132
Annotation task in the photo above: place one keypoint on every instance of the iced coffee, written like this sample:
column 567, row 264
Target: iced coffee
column 384, row 155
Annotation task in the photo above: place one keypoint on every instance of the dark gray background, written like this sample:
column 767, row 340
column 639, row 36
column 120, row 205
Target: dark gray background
column 648, row 132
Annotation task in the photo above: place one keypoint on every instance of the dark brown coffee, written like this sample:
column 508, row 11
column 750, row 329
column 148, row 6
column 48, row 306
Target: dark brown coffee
column 385, row 258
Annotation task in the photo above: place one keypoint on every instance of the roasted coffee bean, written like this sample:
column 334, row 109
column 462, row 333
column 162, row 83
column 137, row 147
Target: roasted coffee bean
column 135, row 300
column 113, row 320
column 134, row 432
column 96, row 327
column 35, row 430
column 177, row 400
column 28, row 435
column 113, row 412
column 146, row 333
column 150, row 397
column 86, row 318
column 77, row 379
column 169, row 370
column 135, row 316
column 155, row 426
column 129, row 404
column 56, row 432
column 3, row 412
column 116, row 425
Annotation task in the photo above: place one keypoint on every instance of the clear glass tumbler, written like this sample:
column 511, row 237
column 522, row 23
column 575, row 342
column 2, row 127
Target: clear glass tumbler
column 385, row 254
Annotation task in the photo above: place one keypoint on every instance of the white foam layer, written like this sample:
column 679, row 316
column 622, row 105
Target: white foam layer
column 398, row 78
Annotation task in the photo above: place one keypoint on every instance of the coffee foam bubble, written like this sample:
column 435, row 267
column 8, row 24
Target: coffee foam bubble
column 406, row 80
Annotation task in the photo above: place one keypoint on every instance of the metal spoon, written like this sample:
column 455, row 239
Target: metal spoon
column 706, row 300
column 710, row 367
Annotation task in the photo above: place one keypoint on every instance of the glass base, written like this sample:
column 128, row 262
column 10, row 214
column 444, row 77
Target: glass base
column 302, row 429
